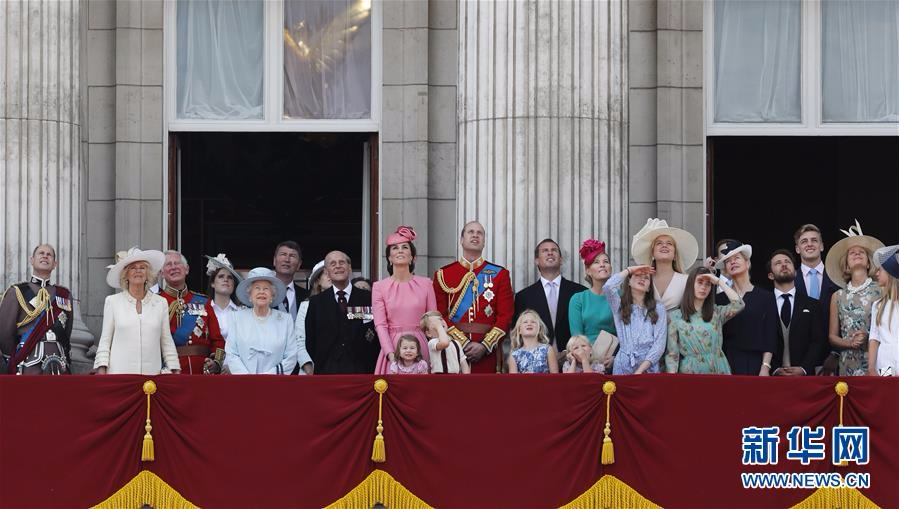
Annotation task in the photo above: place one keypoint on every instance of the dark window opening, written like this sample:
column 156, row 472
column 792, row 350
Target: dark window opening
column 764, row 188
column 242, row 193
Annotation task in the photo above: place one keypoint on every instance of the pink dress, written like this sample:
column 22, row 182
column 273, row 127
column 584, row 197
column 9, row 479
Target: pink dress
column 398, row 308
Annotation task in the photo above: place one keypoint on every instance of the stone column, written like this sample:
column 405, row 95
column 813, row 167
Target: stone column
column 543, row 126
column 40, row 130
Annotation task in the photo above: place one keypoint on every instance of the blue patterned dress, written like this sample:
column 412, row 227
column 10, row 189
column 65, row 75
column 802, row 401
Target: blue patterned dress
column 640, row 340
column 532, row 361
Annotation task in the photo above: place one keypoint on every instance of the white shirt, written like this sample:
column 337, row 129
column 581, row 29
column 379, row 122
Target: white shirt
column 348, row 290
column 299, row 333
column 887, row 334
column 778, row 296
column 291, row 300
column 820, row 276
column 545, row 282
column 224, row 315
column 136, row 343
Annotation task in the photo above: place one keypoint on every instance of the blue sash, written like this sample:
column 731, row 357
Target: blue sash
column 489, row 270
column 188, row 322
column 30, row 330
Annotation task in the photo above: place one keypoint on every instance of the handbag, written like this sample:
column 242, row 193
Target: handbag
column 605, row 345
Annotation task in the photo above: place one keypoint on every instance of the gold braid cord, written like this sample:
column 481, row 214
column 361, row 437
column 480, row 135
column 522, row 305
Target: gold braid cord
column 451, row 292
column 607, row 456
column 146, row 489
column 147, row 450
column 609, row 491
column 176, row 308
column 378, row 450
column 379, row 488
column 43, row 298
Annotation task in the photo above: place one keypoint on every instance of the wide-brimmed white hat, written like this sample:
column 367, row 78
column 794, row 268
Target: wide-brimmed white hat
column 837, row 254
column 156, row 259
column 730, row 249
column 261, row 274
column 887, row 258
column 641, row 246
column 319, row 267
column 221, row 262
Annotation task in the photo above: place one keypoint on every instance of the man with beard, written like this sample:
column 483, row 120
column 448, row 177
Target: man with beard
column 800, row 341
column 550, row 295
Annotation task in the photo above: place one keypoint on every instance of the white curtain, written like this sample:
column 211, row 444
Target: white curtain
column 327, row 59
column 757, row 66
column 220, row 59
column 860, row 60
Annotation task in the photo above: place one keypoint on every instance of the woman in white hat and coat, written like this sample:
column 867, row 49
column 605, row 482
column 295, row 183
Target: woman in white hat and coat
column 261, row 339
column 883, row 340
column 223, row 281
column 136, row 338
column 849, row 265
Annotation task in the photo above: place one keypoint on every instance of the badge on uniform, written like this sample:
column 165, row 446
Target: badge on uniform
column 196, row 309
column 488, row 310
column 63, row 303
column 488, row 293
column 62, row 319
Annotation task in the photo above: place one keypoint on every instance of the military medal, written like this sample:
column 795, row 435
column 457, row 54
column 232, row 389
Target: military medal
column 488, row 293
column 62, row 319
column 488, row 310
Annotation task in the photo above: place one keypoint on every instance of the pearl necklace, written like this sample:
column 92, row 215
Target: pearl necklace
column 851, row 290
column 261, row 319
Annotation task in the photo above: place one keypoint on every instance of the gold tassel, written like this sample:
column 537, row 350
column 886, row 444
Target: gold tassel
column 608, row 450
column 378, row 452
column 147, row 453
column 146, row 489
column 842, row 389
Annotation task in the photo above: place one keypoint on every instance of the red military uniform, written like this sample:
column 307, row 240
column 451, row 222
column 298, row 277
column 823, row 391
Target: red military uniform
column 199, row 342
column 485, row 318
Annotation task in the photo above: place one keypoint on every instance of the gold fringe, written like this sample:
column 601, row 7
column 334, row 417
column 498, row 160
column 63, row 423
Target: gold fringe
column 608, row 450
column 145, row 489
column 147, row 453
column 378, row 451
column 609, row 491
column 379, row 488
column 828, row 498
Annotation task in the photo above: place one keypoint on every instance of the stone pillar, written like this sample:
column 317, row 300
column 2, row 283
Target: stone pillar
column 543, row 126
column 40, row 143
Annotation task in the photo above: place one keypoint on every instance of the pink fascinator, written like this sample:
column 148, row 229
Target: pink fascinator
column 590, row 249
column 402, row 234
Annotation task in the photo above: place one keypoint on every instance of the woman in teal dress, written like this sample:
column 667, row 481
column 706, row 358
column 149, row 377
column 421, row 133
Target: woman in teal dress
column 589, row 311
column 694, row 342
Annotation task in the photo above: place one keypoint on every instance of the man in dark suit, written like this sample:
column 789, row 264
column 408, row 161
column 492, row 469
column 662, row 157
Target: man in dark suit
column 550, row 295
column 287, row 261
column 801, row 344
column 340, row 334
column 811, row 278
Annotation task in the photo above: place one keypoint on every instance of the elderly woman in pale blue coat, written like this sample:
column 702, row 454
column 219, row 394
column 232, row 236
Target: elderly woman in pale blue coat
column 261, row 339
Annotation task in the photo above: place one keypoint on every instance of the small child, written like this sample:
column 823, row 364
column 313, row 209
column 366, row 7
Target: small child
column 531, row 351
column 408, row 360
column 446, row 355
column 580, row 357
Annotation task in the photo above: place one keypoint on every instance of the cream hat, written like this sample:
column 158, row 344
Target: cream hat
column 641, row 246
column 837, row 253
column 125, row 258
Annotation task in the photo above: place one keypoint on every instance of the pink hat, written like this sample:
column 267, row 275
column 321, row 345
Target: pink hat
column 402, row 234
column 590, row 249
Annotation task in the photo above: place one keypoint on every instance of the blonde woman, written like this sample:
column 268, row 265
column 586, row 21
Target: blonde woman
column 531, row 352
column 883, row 339
column 849, row 264
column 136, row 338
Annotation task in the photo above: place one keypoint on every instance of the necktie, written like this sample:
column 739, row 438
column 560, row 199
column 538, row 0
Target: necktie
column 553, row 300
column 341, row 300
column 786, row 311
column 286, row 302
column 814, row 290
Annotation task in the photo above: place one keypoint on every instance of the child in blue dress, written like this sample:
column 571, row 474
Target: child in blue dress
column 531, row 351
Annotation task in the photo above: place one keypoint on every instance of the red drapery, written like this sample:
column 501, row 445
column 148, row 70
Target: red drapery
column 454, row 441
